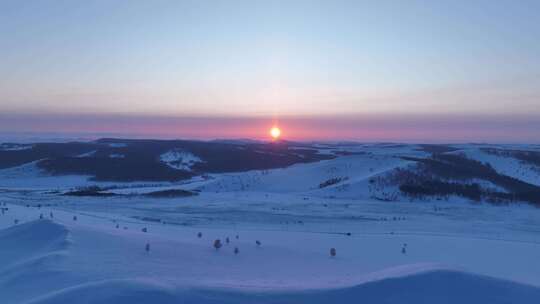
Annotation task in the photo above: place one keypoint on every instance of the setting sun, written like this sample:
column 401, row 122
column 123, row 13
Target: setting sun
column 275, row 132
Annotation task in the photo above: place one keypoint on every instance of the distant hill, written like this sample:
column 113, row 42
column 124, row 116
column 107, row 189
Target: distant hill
column 112, row 159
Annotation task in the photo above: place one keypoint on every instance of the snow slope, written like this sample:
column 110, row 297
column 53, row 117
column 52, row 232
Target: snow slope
column 30, row 177
column 354, row 172
column 507, row 165
column 432, row 287
column 89, row 260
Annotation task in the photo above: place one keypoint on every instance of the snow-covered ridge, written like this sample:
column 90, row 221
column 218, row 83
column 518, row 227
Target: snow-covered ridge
column 87, row 154
column 117, row 145
column 14, row 147
column 453, row 286
column 179, row 159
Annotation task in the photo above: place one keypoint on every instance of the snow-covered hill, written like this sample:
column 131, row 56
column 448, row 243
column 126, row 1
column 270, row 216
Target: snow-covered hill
column 346, row 176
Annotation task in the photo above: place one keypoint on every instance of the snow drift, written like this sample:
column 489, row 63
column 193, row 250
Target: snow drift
column 429, row 287
column 32, row 239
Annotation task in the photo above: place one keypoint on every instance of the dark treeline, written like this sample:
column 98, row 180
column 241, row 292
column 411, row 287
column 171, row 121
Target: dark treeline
column 452, row 174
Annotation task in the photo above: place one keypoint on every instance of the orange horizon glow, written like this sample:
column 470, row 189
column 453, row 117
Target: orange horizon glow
column 418, row 128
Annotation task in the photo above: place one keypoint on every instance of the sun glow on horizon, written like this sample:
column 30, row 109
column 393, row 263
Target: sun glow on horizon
column 275, row 132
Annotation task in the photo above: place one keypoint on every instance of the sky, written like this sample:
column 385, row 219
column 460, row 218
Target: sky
column 409, row 71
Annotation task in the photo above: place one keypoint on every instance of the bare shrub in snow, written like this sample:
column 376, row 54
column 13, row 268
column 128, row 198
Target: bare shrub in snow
column 404, row 248
column 332, row 181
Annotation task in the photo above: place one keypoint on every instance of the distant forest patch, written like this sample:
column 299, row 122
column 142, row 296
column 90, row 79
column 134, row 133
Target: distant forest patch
column 454, row 174
column 171, row 193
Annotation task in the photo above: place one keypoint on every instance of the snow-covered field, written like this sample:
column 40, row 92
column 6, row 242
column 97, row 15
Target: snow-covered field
column 177, row 159
column 63, row 249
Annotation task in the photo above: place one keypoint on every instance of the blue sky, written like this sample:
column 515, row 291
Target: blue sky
column 273, row 59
